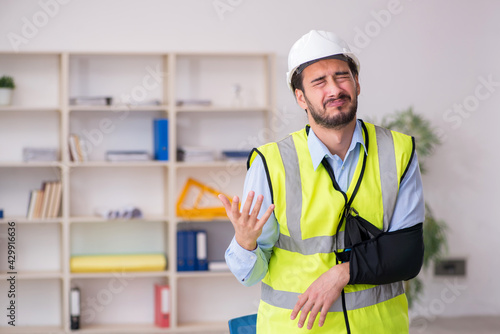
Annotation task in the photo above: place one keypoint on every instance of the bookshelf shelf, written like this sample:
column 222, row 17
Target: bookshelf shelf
column 31, row 164
column 100, row 220
column 29, row 108
column 209, row 109
column 44, row 117
column 134, row 274
column 116, row 108
column 35, row 330
column 149, row 163
column 35, row 221
column 202, row 274
column 23, row 275
column 212, row 164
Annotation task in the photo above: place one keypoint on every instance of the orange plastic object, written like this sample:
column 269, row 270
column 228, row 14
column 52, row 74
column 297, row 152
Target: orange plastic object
column 203, row 198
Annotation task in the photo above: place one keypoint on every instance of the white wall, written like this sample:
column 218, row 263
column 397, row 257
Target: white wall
column 427, row 54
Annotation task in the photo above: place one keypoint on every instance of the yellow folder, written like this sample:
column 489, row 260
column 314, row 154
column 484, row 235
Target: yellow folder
column 110, row 263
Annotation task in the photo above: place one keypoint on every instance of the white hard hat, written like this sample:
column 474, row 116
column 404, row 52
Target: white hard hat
column 316, row 45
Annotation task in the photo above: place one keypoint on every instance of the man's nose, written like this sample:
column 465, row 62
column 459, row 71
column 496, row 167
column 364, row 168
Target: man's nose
column 333, row 88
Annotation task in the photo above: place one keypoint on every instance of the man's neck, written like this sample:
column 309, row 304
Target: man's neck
column 336, row 140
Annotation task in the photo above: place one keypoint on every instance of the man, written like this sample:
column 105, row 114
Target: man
column 337, row 221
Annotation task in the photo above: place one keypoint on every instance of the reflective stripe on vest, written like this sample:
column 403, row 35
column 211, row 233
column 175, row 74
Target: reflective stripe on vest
column 354, row 300
column 326, row 244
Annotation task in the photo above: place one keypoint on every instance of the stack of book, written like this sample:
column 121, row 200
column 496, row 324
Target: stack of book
column 45, row 202
column 91, row 101
column 116, row 156
column 77, row 150
column 195, row 154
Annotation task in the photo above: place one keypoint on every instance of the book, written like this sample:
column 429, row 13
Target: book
column 77, row 148
column 162, row 306
column 218, row 266
column 195, row 154
column 91, row 101
column 32, row 204
column 194, row 102
column 72, row 148
column 38, row 205
column 39, row 154
column 160, row 129
column 127, row 156
column 55, row 203
column 46, row 188
column 235, row 155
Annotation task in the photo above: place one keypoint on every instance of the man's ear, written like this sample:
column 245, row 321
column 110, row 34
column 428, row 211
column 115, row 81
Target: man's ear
column 301, row 100
column 358, row 87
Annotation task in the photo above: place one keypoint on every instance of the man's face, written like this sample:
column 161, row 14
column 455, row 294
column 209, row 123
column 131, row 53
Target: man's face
column 330, row 93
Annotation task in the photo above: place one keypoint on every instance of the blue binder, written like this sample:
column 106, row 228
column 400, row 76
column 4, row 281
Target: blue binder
column 243, row 325
column 161, row 138
column 190, row 250
column 181, row 251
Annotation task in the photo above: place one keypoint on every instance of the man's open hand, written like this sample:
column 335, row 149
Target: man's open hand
column 320, row 295
column 247, row 227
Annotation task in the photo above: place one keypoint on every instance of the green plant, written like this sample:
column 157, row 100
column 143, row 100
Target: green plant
column 426, row 140
column 7, row 82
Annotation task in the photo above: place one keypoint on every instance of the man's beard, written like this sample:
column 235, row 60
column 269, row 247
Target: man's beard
column 338, row 121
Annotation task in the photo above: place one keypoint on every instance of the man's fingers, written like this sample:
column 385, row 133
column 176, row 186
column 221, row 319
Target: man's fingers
column 226, row 203
column 322, row 316
column 304, row 312
column 297, row 307
column 312, row 316
column 235, row 212
column 266, row 215
column 248, row 204
column 256, row 207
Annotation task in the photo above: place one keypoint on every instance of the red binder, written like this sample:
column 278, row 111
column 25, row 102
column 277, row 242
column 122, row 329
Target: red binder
column 162, row 305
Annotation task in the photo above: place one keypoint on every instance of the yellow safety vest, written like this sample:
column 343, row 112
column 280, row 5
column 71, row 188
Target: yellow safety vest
column 308, row 210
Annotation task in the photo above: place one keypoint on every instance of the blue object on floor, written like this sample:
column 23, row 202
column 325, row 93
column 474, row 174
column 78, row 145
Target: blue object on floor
column 243, row 325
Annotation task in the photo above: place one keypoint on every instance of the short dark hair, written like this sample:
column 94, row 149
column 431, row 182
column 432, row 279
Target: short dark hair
column 297, row 78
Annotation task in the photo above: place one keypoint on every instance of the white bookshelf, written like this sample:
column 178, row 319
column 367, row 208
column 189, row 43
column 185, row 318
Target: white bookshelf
column 144, row 86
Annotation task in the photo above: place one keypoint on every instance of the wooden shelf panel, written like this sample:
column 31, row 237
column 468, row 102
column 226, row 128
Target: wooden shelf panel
column 31, row 164
column 92, row 219
column 202, row 327
column 221, row 109
column 33, row 275
column 119, row 108
column 30, row 108
column 122, row 328
column 127, row 273
column 24, row 220
column 32, row 329
column 212, row 164
column 202, row 274
column 149, row 163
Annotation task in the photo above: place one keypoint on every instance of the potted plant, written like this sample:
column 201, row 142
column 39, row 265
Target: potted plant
column 426, row 141
column 6, row 87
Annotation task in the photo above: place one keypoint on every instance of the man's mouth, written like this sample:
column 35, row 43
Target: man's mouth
column 335, row 103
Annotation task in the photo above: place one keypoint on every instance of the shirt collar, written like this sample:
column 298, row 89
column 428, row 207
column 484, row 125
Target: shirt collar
column 318, row 150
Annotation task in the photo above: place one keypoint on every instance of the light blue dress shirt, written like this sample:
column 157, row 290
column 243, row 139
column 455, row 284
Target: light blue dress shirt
column 249, row 267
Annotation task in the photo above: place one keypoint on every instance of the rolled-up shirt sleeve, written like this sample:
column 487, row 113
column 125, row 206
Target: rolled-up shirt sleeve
column 250, row 267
